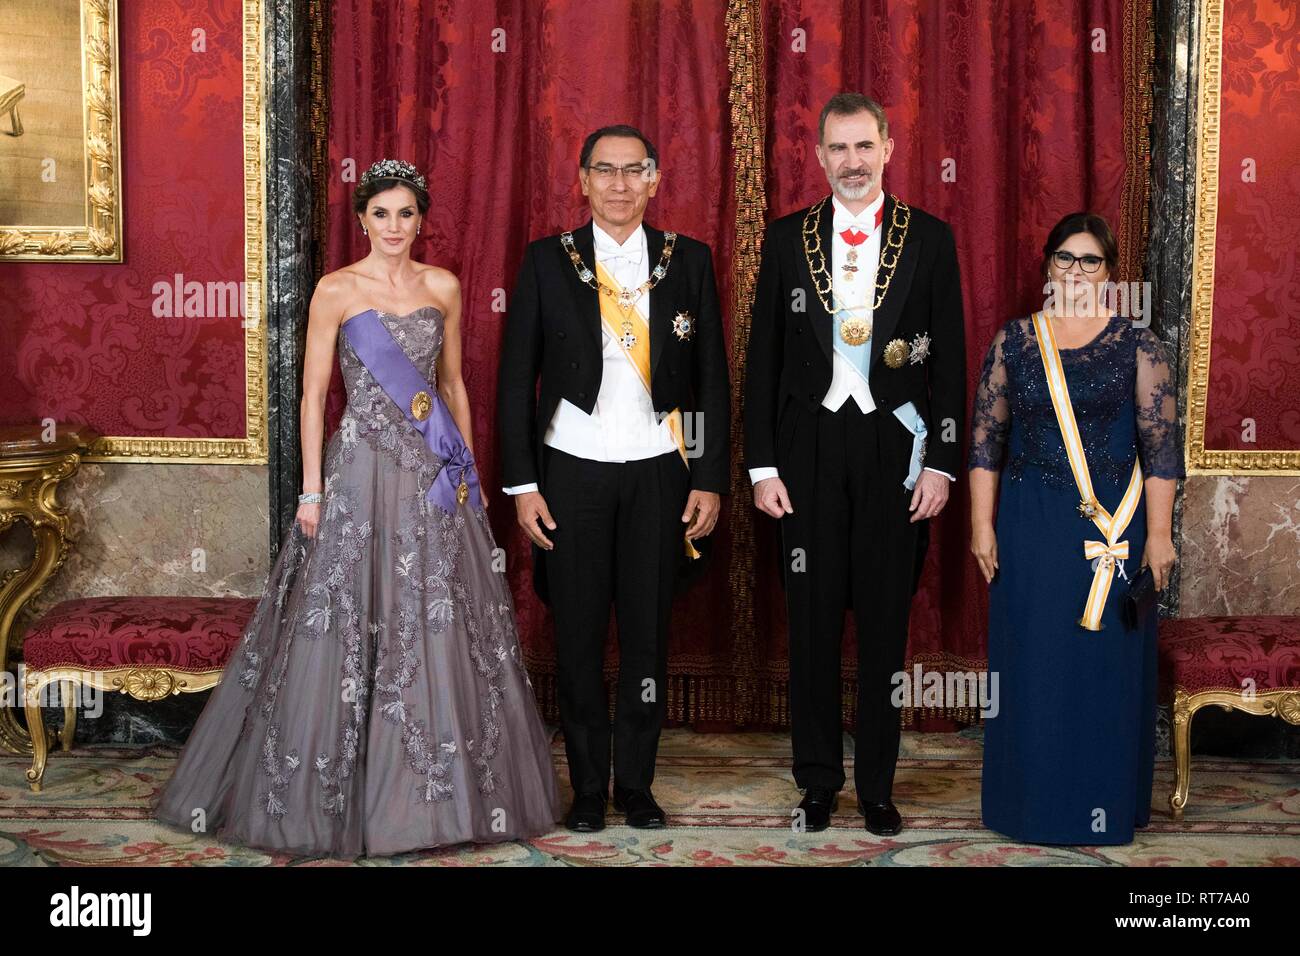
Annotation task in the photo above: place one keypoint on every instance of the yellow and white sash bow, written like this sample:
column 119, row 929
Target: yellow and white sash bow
column 612, row 317
column 1103, row 554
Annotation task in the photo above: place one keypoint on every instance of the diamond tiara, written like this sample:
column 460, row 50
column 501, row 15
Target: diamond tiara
column 394, row 169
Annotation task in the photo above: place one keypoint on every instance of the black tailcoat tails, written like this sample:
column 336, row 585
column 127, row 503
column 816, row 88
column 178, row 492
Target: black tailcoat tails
column 619, row 535
column 849, row 541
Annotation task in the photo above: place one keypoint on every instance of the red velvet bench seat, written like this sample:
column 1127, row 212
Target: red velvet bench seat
column 148, row 647
column 1237, row 663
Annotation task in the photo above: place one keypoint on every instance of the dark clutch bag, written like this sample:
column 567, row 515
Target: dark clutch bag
column 1141, row 599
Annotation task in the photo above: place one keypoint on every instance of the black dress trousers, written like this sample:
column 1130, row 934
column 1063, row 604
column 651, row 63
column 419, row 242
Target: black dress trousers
column 618, row 540
column 848, row 542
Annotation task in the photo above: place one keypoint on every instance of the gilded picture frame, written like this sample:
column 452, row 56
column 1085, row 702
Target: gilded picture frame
column 1199, row 459
column 73, row 151
column 251, row 449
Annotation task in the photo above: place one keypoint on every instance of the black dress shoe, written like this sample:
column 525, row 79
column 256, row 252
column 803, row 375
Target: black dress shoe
column 818, row 804
column 640, row 807
column 882, row 818
column 587, row 815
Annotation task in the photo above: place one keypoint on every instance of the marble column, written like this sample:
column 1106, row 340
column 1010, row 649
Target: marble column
column 290, row 247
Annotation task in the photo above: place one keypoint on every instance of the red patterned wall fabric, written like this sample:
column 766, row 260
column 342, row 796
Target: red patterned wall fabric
column 1255, row 348
column 80, row 342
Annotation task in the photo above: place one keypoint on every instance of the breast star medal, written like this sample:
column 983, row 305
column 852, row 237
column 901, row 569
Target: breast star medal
column 684, row 327
column 920, row 349
column 855, row 330
column 896, row 353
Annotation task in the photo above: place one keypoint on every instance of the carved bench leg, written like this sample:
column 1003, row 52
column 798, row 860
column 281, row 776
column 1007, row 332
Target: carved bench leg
column 36, row 729
column 68, row 734
column 1182, row 733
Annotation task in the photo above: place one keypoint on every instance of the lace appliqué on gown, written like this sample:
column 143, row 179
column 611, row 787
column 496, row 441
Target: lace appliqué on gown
column 1122, row 372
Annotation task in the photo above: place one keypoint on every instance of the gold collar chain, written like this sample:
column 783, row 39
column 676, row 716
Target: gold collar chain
column 627, row 298
column 890, row 249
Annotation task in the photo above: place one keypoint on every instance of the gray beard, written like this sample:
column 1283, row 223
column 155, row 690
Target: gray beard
column 851, row 193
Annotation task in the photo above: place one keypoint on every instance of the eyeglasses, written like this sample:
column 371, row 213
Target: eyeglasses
column 606, row 173
column 1064, row 260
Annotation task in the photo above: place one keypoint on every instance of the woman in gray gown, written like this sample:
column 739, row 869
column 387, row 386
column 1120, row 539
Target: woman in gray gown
column 377, row 702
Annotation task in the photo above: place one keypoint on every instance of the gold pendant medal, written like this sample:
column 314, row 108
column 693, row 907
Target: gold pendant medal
column 855, row 331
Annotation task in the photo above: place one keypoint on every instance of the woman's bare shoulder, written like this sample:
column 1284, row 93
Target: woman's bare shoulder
column 441, row 286
column 334, row 290
column 438, row 280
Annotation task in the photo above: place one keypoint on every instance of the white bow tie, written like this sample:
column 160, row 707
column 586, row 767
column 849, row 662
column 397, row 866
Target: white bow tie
column 630, row 256
column 866, row 224
column 631, row 252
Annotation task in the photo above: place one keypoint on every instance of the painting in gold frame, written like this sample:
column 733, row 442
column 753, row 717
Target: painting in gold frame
column 60, row 149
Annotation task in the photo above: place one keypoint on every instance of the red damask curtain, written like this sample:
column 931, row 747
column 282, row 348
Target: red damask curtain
column 493, row 101
column 1005, row 117
column 1030, row 106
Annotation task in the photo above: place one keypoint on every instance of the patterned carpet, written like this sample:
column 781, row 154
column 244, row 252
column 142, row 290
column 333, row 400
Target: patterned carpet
column 728, row 797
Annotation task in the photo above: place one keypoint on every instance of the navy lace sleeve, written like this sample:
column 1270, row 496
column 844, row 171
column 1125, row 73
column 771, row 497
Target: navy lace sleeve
column 991, row 417
column 1157, row 409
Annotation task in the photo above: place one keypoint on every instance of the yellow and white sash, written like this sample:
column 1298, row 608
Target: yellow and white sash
column 639, row 355
column 1103, row 554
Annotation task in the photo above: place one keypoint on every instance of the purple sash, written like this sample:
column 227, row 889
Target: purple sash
column 403, row 383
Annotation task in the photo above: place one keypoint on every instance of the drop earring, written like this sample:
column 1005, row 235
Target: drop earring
column 365, row 230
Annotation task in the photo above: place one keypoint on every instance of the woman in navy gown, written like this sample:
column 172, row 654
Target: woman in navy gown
column 1068, row 758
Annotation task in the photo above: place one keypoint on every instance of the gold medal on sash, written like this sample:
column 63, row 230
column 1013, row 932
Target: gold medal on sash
column 421, row 405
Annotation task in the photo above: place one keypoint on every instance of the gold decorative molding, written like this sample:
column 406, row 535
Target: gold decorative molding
column 1283, row 703
column 1202, row 460
column 252, row 448
column 99, row 238
column 142, row 683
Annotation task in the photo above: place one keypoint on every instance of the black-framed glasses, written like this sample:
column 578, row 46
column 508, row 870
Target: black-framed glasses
column 1064, row 260
column 606, row 172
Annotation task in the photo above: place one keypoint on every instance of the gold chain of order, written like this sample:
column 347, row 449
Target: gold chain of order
column 893, row 242
column 589, row 277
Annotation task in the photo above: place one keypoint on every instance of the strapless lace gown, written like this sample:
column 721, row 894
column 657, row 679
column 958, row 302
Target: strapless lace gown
column 377, row 702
